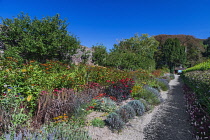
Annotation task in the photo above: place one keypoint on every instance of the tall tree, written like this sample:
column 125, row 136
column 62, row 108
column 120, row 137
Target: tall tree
column 194, row 48
column 36, row 39
column 134, row 53
column 207, row 43
column 173, row 53
column 99, row 55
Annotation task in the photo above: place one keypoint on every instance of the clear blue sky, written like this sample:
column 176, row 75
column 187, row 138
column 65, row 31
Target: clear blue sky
column 106, row 21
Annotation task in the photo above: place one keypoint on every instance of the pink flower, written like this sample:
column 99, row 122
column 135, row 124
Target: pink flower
column 55, row 90
column 91, row 106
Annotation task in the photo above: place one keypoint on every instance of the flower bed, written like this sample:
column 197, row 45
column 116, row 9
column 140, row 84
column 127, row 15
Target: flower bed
column 58, row 94
column 197, row 94
column 200, row 119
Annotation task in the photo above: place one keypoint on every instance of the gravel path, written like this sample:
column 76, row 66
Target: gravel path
column 171, row 122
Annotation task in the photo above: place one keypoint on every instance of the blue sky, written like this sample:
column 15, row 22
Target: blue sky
column 109, row 21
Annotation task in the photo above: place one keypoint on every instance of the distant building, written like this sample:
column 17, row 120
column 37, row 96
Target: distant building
column 178, row 70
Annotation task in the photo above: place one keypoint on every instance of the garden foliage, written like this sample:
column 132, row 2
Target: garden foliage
column 173, row 53
column 121, row 89
column 34, row 39
column 114, row 121
column 104, row 104
column 199, row 118
column 163, row 83
column 201, row 67
column 126, row 112
column 62, row 131
column 154, row 91
column 197, row 94
column 134, row 53
column 138, row 106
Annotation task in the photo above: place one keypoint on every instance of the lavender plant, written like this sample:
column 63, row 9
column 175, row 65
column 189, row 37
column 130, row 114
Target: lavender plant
column 154, row 91
column 164, row 85
column 60, row 131
column 146, row 104
column 126, row 112
column 114, row 122
column 137, row 106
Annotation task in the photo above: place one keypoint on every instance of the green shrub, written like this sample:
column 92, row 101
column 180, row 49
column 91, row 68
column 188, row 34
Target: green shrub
column 126, row 112
column 154, row 91
column 146, row 104
column 114, row 122
column 200, row 84
column 105, row 104
column 202, row 66
column 172, row 76
column 137, row 106
column 163, row 84
column 98, row 122
column 59, row 131
column 147, row 96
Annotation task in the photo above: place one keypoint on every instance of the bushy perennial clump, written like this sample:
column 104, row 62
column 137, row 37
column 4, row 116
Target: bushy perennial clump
column 163, row 83
column 199, row 117
column 121, row 89
column 138, row 106
column 146, row 104
column 114, row 121
column 126, row 112
column 62, row 131
column 172, row 76
column 105, row 104
column 154, row 91
column 98, row 122
column 168, row 76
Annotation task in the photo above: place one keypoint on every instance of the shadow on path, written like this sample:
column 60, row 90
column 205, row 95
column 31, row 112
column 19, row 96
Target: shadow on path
column 171, row 122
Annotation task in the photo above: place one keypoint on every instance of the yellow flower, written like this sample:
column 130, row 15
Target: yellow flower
column 94, row 103
column 55, row 118
column 60, row 117
column 29, row 98
column 8, row 90
column 23, row 70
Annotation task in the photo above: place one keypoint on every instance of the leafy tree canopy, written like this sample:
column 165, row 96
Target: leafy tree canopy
column 173, row 53
column 99, row 55
column 194, row 48
column 134, row 53
column 36, row 39
column 207, row 43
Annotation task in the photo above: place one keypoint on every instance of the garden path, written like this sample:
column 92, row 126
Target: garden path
column 168, row 121
column 171, row 122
